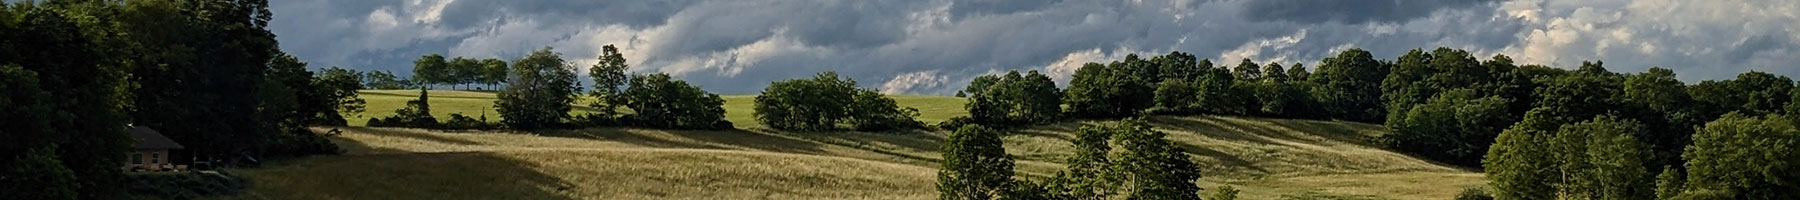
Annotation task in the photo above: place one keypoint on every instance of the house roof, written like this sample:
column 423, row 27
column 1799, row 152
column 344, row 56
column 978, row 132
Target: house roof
column 150, row 139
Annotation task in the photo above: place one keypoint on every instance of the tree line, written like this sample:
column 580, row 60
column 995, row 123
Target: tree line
column 542, row 90
column 1539, row 132
column 207, row 74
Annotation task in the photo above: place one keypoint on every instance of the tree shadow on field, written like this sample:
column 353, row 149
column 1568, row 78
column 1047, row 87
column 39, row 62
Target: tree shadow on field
column 405, row 175
column 409, row 133
column 695, row 139
column 891, row 143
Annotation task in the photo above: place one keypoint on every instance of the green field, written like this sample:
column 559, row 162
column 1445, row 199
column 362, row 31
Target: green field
column 1266, row 158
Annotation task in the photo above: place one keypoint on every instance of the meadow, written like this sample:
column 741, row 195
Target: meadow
column 1265, row 158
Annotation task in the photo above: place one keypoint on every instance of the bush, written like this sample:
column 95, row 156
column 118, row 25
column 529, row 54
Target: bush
column 1474, row 194
column 825, row 102
column 663, row 102
column 190, row 185
column 1224, row 193
column 459, row 121
column 299, row 142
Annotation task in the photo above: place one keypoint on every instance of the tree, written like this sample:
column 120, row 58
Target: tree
column 1176, row 96
column 1746, row 157
column 464, row 71
column 336, row 95
column 980, row 84
column 1600, row 159
column 493, row 72
column 975, row 165
column 542, row 87
column 1219, row 93
column 1350, row 85
column 1017, row 99
column 1089, row 175
column 1275, row 72
column 1152, row 167
column 1178, row 65
column 1455, row 127
column 1106, row 91
column 431, row 69
column 39, row 175
column 609, row 79
column 872, row 111
column 1669, row 183
column 657, row 100
column 1298, row 72
column 382, row 80
column 1247, row 71
column 1519, row 163
column 825, row 101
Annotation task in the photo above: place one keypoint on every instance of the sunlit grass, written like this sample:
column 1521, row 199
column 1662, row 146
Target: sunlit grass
column 1266, row 158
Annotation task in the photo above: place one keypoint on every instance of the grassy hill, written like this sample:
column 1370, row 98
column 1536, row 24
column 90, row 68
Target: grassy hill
column 1267, row 158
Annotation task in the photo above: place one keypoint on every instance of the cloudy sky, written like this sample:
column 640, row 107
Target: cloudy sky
column 936, row 46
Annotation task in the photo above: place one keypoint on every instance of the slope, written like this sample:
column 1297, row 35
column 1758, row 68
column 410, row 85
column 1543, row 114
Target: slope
column 1267, row 158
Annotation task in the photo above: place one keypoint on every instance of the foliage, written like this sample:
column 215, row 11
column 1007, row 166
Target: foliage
column 1600, row 159
column 1746, row 157
column 185, row 185
column 1225, row 192
column 975, row 166
column 1152, row 167
column 609, row 81
column 1100, row 91
column 37, row 174
column 1350, row 85
column 1455, row 127
column 825, row 101
column 382, row 80
column 1176, row 96
column 1089, row 175
column 1016, row 99
column 539, row 92
column 432, row 69
column 1669, row 183
column 1473, row 194
column 662, row 102
column 493, row 71
column 1519, row 164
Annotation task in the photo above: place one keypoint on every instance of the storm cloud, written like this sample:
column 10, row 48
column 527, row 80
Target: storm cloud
column 936, row 46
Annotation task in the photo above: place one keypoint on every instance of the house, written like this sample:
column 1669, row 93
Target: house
column 151, row 150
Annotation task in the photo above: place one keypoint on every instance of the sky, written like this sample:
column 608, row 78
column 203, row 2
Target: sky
column 937, row 46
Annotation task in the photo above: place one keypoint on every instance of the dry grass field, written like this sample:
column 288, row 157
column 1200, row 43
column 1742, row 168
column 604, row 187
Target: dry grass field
column 1266, row 158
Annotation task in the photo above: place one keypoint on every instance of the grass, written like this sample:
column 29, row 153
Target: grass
column 739, row 109
column 1265, row 158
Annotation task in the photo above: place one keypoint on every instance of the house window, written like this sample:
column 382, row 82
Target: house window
column 137, row 158
column 155, row 158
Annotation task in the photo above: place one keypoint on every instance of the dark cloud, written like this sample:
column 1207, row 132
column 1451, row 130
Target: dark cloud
column 1348, row 11
column 738, row 46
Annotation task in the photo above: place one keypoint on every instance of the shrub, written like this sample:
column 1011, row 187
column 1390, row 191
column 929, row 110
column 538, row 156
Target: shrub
column 824, row 102
column 1474, row 194
column 190, row 185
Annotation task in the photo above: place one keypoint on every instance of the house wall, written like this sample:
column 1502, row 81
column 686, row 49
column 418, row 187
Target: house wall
column 148, row 159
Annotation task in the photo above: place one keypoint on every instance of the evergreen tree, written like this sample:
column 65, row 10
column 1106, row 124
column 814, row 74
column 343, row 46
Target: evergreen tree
column 609, row 81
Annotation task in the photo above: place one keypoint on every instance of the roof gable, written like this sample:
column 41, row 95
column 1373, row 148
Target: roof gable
column 150, row 139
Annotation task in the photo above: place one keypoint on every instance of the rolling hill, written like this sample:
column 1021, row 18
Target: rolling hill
column 1266, row 158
